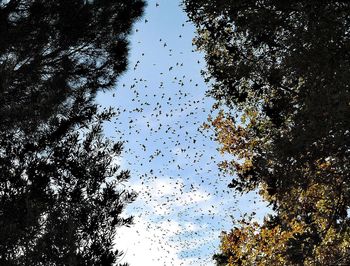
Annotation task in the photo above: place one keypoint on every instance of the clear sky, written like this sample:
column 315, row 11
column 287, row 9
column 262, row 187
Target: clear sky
column 183, row 202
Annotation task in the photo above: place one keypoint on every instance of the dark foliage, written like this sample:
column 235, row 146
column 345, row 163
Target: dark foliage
column 60, row 194
column 288, row 63
column 51, row 50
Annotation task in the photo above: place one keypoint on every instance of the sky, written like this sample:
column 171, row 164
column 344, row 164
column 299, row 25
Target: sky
column 184, row 203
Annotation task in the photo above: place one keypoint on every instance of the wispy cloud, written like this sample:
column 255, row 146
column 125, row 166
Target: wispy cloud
column 150, row 244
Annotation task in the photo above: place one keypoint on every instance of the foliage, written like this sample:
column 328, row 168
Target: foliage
column 252, row 245
column 51, row 50
column 60, row 202
column 282, row 68
column 60, row 186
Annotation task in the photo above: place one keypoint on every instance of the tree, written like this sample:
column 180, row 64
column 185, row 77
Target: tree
column 282, row 70
column 51, row 50
column 60, row 193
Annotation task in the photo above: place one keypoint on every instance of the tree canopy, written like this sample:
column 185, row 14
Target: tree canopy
column 52, row 50
column 281, row 68
column 60, row 193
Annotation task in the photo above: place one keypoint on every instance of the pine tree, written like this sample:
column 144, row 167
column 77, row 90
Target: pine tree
column 60, row 194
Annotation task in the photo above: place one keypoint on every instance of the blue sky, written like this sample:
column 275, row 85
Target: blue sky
column 183, row 202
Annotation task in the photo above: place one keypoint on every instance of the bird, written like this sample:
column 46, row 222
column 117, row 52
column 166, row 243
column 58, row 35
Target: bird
column 162, row 105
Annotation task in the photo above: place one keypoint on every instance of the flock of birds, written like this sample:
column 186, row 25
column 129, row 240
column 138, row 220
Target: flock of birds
column 162, row 104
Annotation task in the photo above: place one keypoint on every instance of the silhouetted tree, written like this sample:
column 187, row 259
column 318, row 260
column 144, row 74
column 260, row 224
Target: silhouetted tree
column 283, row 69
column 51, row 50
column 60, row 194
